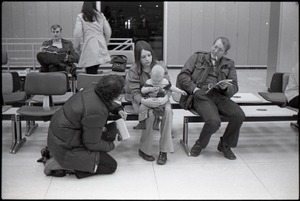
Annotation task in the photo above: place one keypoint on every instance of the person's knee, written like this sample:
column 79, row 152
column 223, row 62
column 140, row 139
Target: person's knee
column 214, row 124
column 113, row 166
column 40, row 56
column 239, row 116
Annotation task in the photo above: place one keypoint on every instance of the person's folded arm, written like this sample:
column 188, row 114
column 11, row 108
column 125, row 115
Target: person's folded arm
column 92, row 127
column 133, row 81
column 231, row 88
column 151, row 102
column 184, row 78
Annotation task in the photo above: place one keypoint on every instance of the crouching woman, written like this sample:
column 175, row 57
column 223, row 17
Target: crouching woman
column 75, row 133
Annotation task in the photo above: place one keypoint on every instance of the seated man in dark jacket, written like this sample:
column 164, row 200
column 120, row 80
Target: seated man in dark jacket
column 210, row 79
column 75, row 135
column 57, row 54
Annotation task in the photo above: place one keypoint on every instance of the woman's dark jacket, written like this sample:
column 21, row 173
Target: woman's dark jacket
column 74, row 135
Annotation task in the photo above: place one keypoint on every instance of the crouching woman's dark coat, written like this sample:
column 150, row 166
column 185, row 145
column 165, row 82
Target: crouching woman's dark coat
column 74, row 135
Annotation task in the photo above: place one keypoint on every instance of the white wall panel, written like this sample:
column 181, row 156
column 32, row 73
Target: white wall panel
column 197, row 27
column 208, row 33
column 254, row 33
column 243, row 33
column 18, row 21
column 231, row 28
column 6, row 15
column 42, row 25
column 173, row 34
column 66, row 19
column 264, row 33
column 220, row 19
column 185, row 31
column 54, row 14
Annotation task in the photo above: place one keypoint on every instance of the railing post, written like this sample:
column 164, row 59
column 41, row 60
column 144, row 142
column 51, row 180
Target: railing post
column 32, row 47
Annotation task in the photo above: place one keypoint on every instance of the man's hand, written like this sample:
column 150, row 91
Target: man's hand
column 223, row 85
column 116, row 141
column 196, row 89
column 183, row 93
column 66, row 58
column 123, row 114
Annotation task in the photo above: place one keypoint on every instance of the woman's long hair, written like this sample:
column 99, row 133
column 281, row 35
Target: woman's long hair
column 139, row 46
column 110, row 87
column 89, row 10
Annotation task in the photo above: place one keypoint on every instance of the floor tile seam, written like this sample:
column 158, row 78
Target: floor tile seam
column 290, row 162
column 156, row 181
column 48, row 188
column 259, row 180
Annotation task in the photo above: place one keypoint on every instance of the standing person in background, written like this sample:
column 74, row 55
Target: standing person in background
column 292, row 89
column 92, row 26
column 136, row 78
column 199, row 77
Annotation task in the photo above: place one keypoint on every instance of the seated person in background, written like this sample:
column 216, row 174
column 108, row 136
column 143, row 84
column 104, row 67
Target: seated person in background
column 199, row 77
column 292, row 89
column 57, row 54
column 155, row 87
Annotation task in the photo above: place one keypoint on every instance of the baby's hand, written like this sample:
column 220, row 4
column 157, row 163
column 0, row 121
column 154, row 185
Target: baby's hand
column 155, row 89
column 183, row 93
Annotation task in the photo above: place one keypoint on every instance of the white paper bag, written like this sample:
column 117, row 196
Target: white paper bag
column 121, row 125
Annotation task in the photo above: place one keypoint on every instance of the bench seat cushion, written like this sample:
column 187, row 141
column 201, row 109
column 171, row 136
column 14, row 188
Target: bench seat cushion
column 274, row 97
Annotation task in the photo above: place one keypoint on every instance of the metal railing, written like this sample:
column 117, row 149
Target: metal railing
column 22, row 52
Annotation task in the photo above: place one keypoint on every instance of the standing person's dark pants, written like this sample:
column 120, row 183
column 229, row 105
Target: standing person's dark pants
column 107, row 165
column 209, row 107
column 51, row 62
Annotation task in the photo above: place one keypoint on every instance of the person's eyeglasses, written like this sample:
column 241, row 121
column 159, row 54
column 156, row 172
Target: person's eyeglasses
column 218, row 49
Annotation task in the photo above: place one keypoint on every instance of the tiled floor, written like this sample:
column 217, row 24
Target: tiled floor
column 267, row 164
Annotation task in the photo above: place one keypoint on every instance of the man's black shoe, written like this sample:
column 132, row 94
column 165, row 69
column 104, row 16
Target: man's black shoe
column 145, row 156
column 226, row 151
column 196, row 149
column 162, row 158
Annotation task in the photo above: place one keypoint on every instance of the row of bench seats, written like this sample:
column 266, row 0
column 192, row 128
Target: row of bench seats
column 85, row 79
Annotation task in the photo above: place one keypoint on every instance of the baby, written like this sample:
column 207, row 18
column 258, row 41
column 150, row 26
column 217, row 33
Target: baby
column 155, row 87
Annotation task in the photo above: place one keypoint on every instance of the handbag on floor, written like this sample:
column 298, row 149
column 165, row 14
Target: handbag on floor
column 118, row 63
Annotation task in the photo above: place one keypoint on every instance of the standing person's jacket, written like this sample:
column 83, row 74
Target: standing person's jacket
column 67, row 47
column 196, row 69
column 96, row 36
column 74, row 135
